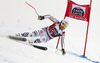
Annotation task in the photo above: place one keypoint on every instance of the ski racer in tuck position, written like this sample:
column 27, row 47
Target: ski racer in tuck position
column 47, row 33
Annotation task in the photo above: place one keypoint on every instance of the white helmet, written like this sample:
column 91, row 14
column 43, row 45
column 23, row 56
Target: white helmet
column 64, row 23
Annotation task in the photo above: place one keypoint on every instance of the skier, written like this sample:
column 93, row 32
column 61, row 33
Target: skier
column 47, row 33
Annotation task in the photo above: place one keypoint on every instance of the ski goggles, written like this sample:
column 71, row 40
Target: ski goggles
column 63, row 25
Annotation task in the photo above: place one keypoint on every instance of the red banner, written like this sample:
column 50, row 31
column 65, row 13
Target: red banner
column 76, row 11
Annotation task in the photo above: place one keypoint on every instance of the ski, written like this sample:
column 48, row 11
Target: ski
column 40, row 47
column 17, row 38
column 24, row 39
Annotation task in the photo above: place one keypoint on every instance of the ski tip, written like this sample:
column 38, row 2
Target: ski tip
column 40, row 47
column 46, row 48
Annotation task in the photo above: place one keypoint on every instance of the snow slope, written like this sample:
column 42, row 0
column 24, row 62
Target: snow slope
column 16, row 16
column 12, row 51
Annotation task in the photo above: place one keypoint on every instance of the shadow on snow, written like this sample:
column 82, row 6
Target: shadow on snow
column 81, row 56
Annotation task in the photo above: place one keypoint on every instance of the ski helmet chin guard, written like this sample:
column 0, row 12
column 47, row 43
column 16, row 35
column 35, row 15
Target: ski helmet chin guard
column 64, row 23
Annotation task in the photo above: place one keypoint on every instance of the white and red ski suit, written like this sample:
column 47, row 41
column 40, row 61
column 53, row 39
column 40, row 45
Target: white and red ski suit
column 47, row 33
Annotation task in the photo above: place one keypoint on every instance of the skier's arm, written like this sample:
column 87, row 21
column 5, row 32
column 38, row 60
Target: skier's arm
column 48, row 16
column 62, row 43
column 51, row 18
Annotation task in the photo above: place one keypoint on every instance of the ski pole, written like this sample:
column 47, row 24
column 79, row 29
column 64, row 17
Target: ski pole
column 32, row 7
column 57, row 50
column 58, row 42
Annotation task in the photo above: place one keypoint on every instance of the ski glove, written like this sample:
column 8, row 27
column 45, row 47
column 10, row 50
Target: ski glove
column 40, row 17
column 63, row 52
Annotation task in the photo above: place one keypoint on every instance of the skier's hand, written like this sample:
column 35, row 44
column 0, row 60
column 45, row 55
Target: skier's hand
column 63, row 52
column 40, row 17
